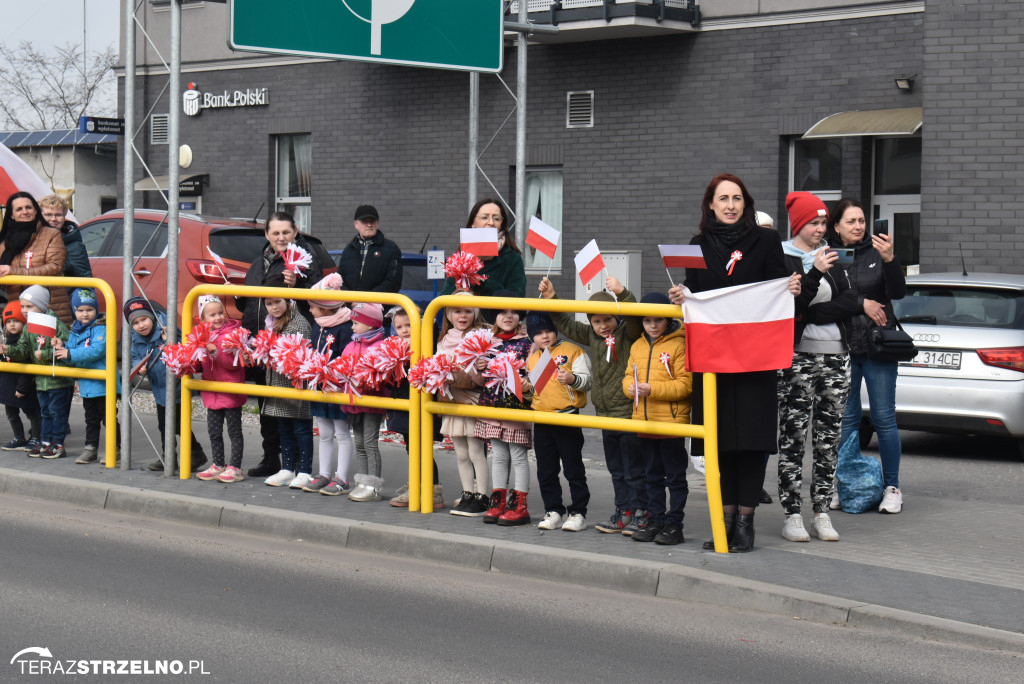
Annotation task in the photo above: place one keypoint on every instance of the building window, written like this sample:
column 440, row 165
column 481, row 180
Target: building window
column 295, row 177
column 543, row 200
column 898, row 166
column 818, row 165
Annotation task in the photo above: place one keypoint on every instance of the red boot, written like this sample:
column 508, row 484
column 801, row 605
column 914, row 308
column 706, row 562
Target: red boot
column 515, row 510
column 497, row 506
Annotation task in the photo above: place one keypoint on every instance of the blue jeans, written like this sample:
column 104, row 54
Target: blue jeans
column 54, row 407
column 880, row 377
column 296, row 444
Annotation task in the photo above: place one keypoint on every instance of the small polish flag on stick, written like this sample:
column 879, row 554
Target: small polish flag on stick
column 543, row 237
column 589, row 262
column 681, row 256
column 482, row 242
column 739, row 329
column 220, row 263
column 543, row 371
column 42, row 324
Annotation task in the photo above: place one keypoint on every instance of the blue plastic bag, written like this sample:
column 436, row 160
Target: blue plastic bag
column 859, row 476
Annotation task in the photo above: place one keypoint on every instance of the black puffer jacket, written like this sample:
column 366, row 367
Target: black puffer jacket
column 839, row 309
column 270, row 263
column 873, row 279
column 382, row 271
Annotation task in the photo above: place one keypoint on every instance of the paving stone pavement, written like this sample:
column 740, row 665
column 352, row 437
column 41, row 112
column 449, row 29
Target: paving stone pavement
column 962, row 560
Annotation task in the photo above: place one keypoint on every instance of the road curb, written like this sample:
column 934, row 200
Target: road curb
column 557, row 565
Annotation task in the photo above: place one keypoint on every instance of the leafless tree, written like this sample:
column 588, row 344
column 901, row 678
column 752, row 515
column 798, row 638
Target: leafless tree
column 47, row 90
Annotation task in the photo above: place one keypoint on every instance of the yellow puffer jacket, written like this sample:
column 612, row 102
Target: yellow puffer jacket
column 669, row 400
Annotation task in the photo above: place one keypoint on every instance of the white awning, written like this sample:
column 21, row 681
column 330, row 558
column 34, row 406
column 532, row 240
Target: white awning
column 877, row 122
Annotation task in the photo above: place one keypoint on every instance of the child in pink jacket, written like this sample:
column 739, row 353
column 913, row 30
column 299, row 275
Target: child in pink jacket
column 220, row 366
column 367, row 333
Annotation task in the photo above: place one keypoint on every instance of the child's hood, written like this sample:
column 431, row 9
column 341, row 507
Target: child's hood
column 78, row 328
column 675, row 329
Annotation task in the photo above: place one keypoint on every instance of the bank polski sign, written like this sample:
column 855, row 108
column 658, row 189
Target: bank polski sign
column 449, row 34
column 193, row 100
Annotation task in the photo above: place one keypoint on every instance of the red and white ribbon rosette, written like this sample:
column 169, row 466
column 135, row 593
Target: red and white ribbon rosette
column 464, row 268
column 610, row 354
column 263, row 345
column 476, row 344
column 297, row 259
column 237, row 343
column 28, row 254
column 664, row 358
column 734, row 258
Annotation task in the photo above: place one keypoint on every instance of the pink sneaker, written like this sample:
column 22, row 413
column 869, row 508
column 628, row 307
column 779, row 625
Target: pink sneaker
column 231, row 474
column 210, row 473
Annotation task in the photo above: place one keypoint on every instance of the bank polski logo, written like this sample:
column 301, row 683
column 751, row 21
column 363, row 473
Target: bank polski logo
column 190, row 100
column 381, row 12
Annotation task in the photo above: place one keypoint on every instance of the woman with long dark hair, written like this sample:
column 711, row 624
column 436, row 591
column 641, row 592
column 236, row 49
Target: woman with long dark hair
column 29, row 247
column 747, row 409
column 505, row 271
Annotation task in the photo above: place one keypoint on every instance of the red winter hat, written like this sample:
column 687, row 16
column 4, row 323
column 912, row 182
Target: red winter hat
column 803, row 207
column 14, row 311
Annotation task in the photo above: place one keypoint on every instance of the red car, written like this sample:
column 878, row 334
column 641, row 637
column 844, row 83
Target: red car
column 237, row 241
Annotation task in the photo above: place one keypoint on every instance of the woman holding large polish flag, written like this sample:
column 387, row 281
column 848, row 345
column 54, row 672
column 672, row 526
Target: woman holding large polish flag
column 737, row 252
column 505, row 271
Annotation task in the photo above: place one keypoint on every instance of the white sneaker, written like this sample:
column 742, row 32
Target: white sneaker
column 892, row 501
column 300, row 481
column 822, row 527
column 698, row 463
column 574, row 523
column 282, row 478
column 794, row 530
column 551, row 521
column 834, row 504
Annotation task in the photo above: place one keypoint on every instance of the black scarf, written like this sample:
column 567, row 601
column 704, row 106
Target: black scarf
column 16, row 239
column 724, row 236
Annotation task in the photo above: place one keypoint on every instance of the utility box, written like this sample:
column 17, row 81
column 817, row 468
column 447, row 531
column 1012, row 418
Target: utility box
column 622, row 264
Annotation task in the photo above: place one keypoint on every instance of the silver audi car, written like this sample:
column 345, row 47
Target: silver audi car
column 968, row 377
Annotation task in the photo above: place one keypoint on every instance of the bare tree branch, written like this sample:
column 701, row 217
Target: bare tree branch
column 46, row 90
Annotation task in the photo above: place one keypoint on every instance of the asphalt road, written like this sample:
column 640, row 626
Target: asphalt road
column 94, row 585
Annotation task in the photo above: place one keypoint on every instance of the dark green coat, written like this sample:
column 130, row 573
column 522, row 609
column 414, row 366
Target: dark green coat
column 25, row 352
column 504, row 272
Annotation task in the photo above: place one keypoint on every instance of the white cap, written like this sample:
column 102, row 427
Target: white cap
column 764, row 220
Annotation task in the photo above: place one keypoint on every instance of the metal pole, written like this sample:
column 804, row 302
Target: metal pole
column 521, row 124
column 474, row 133
column 129, row 228
column 173, row 175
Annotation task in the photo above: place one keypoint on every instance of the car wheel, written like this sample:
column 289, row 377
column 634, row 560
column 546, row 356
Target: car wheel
column 1020, row 448
column 867, row 429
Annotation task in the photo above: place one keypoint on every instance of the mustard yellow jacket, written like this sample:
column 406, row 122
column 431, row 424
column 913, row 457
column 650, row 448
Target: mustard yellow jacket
column 669, row 400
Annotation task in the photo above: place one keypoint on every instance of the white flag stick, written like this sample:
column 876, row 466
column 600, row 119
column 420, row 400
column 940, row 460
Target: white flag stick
column 614, row 296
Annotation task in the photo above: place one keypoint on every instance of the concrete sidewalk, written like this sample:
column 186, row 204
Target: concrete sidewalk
column 927, row 571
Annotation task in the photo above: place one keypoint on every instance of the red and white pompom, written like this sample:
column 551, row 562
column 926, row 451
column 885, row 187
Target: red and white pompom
column 389, row 359
column 237, row 343
column 297, row 259
column 433, row 374
column 283, row 354
column 464, row 268
column 475, row 344
column 263, row 346
column 341, row 375
column 308, row 368
column 197, row 341
column 503, row 373
column 178, row 357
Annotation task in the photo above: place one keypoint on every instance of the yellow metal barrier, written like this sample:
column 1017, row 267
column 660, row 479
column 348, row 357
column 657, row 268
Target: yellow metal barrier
column 109, row 375
column 708, row 432
column 412, row 404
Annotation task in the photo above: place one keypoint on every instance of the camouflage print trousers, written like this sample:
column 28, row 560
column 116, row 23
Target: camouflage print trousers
column 816, row 386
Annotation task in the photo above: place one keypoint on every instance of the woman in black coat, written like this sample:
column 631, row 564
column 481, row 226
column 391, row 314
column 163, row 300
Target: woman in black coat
column 281, row 231
column 747, row 409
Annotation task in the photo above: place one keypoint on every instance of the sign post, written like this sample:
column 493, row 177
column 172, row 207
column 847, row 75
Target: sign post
column 463, row 35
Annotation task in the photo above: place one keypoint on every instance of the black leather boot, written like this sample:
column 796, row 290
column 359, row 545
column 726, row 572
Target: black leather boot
column 743, row 536
column 270, row 465
column 730, row 524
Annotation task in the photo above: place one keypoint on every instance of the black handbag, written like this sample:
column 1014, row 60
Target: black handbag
column 890, row 344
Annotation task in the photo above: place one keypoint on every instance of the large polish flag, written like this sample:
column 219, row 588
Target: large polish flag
column 682, row 256
column 42, row 324
column 482, row 242
column 589, row 262
column 543, row 371
column 17, row 176
column 543, row 237
column 739, row 329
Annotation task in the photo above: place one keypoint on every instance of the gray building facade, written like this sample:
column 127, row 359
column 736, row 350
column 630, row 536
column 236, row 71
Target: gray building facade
column 628, row 120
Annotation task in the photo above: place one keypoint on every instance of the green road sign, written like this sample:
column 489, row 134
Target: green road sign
column 447, row 34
